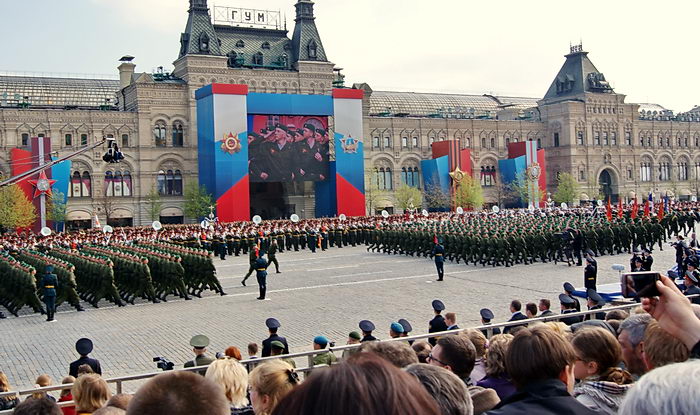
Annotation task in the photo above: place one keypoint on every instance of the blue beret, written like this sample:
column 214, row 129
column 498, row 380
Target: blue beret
column 366, row 325
column 438, row 305
column 486, row 314
column 321, row 341
column 272, row 323
column 396, row 327
column 568, row 287
column 406, row 325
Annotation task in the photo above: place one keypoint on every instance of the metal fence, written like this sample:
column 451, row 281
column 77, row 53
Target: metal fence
column 119, row 382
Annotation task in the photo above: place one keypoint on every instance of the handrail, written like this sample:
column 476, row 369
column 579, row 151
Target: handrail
column 249, row 363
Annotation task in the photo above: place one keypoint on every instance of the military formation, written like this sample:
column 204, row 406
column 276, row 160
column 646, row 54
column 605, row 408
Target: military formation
column 133, row 263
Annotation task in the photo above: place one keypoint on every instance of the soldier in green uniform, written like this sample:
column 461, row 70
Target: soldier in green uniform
column 327, row 358
column 272, row 255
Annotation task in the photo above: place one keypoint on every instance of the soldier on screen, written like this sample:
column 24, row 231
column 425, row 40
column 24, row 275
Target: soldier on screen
column 276, row 157
column 310, row 158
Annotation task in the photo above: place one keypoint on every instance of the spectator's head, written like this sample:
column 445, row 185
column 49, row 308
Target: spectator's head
column 179, row 393
column 41, row 382
column 558, row 327
column 90, row 392
column 354, row 337
column 615, row 324
column 450, row 319
column 598, row 354
column 109, row 410
column 515, row 305
column 252, row 349
column 366, row 384
column 496, row 355
column 66, row 381
column 539, row 353
column 478, row 340
column 4, row 383
column 85, row 370
column 617, row 315
column 422, row 349
column 37, row 406
column 531, row 310
column 454, row 353
column 232, row 377
column 660, row 348
column 233, row 351
column 120, row 400
column 515, row 329
column 671, row 389
column 631, row 338
column 544, row 304
column 269, row 383
column 450, row 393
column 397, row 353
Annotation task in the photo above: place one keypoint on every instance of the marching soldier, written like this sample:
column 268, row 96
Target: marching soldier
column 49, row 282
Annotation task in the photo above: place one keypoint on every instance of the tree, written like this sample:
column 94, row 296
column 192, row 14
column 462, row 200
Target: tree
column 56, row 209
column 469, row 194
column 527, row 188
column 373, row 194
column 108, row 207
column 505, row 194
column 567, row 189
column 16, row 211
column 197, row 200
column 155, row 204
column 407, row 196
column 435, row 197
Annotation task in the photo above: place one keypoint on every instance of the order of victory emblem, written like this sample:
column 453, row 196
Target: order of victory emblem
column 534, row 171
column 230, row 144
column 349, row 144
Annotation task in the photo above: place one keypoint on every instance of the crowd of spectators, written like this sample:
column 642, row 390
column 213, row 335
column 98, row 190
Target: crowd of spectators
column 643, row 364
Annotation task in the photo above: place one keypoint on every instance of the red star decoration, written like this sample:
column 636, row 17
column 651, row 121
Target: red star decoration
column 42, row 178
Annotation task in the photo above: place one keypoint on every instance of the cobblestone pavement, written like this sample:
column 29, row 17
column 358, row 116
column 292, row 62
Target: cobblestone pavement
column 324, row 293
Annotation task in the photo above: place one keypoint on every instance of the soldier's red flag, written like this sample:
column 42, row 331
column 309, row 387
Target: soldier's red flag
column 635, row 207
column 608, row 211
column 646, row 208
column 660, row 215
column 619, row 209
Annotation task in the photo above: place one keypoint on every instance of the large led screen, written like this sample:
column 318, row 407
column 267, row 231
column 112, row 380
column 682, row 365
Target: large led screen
column 286, row 148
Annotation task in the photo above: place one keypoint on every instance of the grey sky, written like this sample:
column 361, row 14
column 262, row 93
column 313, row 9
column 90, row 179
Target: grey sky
column 503, row 47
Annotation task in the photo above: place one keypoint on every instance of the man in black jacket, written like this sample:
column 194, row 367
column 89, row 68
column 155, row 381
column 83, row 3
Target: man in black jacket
column 84, row 348
column 541, row 364
column 272, row 325
column 437, row 324
column 515, row 307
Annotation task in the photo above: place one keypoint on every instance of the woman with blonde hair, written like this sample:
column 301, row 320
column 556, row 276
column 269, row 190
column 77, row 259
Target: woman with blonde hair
column 6, row 402
column 603, row 384
column 269, row 383
column 67, row 396
column 41, row 382
column 90, row 393
column 496, row 372
column 233, row 377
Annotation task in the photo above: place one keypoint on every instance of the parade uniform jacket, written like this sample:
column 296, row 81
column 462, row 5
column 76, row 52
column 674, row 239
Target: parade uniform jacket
column 570, row 320
column 84, row 360
column 266, row 349
column 437, row 324
column 49, row 283
column 200, row 360
column 590, row 276
column 438, row 253
column 647, row 263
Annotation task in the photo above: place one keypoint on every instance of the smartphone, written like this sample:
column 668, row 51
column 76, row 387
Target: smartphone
column 639, row 284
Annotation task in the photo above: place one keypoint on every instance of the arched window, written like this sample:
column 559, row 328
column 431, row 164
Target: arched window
column 579, row 138
column 126, row 184
column 69, row 140
column 159, row 134
column 664, row 171
column 596, row 138
column 493, row 142
column 682, row 171
column 697, row 170
column 628, row 138
column 169, row 182
column 488, row 176
column 388, row 179
column 109, row 183
column 25, row 139
column 387, row 141
column 86, row 184
column 467, row 142
column 613, row 138
column 313, row 50
column 177, row 184
column 80, row 184
column 404, row 142
column 178, row 135
column 409, row 176
column 125, row 140
column 483, row 142
column 375, row 141
column 414, row 141
column 160, row 182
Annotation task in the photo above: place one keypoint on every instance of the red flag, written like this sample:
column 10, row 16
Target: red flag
column 646, row 208
column 619, row 208
column 635, row 207
column 660, row 215
column 608, row 211
column 435, row 239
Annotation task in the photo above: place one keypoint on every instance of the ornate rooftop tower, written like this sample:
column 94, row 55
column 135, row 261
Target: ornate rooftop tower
column 199, row 37
column 306, row 42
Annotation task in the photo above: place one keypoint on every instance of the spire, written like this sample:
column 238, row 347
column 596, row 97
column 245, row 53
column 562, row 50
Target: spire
column 306, row 42
column 199, row 37
column 577, row 76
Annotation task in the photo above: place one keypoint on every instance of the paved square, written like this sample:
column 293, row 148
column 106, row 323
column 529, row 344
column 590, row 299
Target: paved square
column 324, row 293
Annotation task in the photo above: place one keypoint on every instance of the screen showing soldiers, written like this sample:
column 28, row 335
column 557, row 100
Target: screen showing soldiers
column 288, row 148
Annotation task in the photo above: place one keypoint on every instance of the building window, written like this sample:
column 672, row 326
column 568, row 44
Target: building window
column 493, row 142
column 596, row 138
column 483, row 143
column 467, row 142
column 25, row 139
column 579, row 138
column 169, row 183
column 697, row 170
column 387, row 141
column 125, row 140
column 178, row 135
column 488, row 176
column 682, row 171
column 409, row 176
column 83, row 139
column 159, row 134
column 605, row 138
column 404, row 142
column 118, row 184
column 388, row 179
column 414, row 141
column 383, row 178
column 664, row 171
column 68, row 140
column 613, row 138
column 375, row 141
column 581, row 175
column 641, row 140
column 80, row 184
column 556, row 139
column 629, row 173
column 312, row 49
column 258, row 59
column 649, row 141
column 645, row 172
column 668, row 141
column 628, row 138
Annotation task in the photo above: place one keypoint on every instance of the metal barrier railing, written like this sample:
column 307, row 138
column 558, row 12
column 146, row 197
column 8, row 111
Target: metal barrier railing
column 250, row 363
